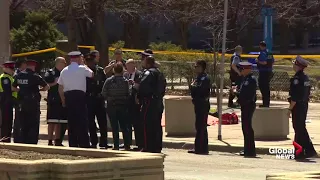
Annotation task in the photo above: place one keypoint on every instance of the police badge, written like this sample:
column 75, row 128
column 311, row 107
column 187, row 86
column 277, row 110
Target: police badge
column 6, row 81
column 246, row 83
column 296, row 81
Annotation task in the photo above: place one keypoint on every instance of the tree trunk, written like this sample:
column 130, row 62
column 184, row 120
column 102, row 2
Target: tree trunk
column 183, row 29
column 71, row 24
column 285, row 37
column 132, row 31
column 101, row 38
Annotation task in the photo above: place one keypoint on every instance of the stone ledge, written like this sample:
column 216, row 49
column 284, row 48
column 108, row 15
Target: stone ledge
column 106, row 164
column 295, row 176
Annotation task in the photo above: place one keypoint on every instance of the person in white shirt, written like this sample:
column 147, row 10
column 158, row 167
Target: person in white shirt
column 72, row 88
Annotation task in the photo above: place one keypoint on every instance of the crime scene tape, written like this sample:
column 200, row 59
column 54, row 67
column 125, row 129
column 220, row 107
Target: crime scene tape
column 166, row 53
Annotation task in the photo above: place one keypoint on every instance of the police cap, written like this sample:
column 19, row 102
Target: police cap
column 9, row 64
column 74, row 54
column 32, row 63
column 263, row 43
column 147, row 52
column 93, row 53
column 299, row 61
column 245, row 65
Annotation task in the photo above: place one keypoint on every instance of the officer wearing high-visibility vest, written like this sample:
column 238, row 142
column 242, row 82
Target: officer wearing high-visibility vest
column 27, row 84
column 7, row 98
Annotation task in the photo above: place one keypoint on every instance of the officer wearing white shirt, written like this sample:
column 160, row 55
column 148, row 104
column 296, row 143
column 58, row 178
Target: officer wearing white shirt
column 72, row 88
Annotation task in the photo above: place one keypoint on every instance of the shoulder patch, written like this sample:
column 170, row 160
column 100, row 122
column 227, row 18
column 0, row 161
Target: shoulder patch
column 47, row 74
column 53, row 72
column 147, row 72
column 246, row 83
column 296, row 81
column 6, row 81
column 203, row 78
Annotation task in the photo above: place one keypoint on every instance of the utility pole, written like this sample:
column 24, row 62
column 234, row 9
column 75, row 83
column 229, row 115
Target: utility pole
column 267, row 15
column 4, row 31
column 225, row 22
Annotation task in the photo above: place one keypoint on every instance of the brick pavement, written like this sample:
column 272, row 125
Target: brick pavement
column 231, row 134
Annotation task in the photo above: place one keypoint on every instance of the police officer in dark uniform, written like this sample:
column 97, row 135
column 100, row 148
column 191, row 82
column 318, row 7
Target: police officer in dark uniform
column 56, row 114
column 27, row 84
column 96, row 103
column 21, row 65
column 235, row 75
column 299, row 97
column 200, row 92
column 150, row 94
column 247, row 100
column 7, row 101
column 264, row 63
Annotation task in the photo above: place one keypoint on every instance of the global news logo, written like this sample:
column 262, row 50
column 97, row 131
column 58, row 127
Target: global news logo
column 285, row 153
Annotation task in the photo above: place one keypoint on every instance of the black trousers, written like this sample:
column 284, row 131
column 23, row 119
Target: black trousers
column 136, row 123
column 151, row 124
column 96, row 108
column 119, row 116
column 30, row 121
column 63, row 129
column 247, row 111
column 7, row 120
column 201, row 109
column 299, row 115
column 17, row 125
column 264, row 86
column 77, row 119
column 159, row 120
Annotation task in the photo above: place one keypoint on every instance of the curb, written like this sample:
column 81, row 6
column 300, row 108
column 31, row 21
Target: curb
column 187, row 145
column 289, row 176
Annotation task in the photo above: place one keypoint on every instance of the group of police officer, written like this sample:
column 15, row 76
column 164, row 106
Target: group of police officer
column 134, row 98
column 142, row 109
column 242, row 78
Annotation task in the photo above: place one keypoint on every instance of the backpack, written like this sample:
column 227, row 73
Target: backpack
column 230, row 118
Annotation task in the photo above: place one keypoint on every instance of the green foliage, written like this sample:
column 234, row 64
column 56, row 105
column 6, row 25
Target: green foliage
column 37, row 33
column 118, row 44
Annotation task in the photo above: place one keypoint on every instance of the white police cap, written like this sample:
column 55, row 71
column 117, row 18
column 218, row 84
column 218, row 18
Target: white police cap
column 299, row 61
column 245, row 65
column 75, row 53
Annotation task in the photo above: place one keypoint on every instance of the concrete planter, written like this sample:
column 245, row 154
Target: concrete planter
column 270, row 123
column 179, row 116
column 105, row 164
column 291, row 175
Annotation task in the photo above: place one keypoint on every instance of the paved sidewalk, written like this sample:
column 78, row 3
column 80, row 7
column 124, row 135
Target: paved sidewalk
column 231, row 134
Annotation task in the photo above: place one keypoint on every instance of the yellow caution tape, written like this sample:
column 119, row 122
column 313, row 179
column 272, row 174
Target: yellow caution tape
column 33, row 52
column 61, row 52
column 167, row 53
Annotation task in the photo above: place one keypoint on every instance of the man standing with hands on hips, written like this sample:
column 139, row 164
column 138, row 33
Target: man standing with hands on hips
column 72, row 88
column 298, row 98
column 264, row 63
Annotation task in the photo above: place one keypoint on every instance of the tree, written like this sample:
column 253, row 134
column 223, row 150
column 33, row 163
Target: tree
column 37, row 33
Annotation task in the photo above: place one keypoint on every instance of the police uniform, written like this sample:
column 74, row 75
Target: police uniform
column 56, row 114
column 29, row 98
column 247, row 101
column 7, row 99
column 299, row 92
column 96, row 107
column 17, row 126
column 73, row 80
column 151, row 90
column 234, row 77
column 265, row 75
column 200, row 93
column 116, row 92
column 134, row 111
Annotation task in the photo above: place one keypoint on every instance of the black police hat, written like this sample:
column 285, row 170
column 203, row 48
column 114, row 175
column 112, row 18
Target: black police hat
column 147, row 52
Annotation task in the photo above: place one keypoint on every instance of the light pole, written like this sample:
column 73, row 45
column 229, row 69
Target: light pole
column 267, row 13
column 4, row 31
column 222, row 70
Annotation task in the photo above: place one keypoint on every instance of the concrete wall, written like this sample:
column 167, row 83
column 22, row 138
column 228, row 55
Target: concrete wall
column 105, row 164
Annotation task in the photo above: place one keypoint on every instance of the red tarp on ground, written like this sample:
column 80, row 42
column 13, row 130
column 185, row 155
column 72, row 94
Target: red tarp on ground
column 211, row 120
